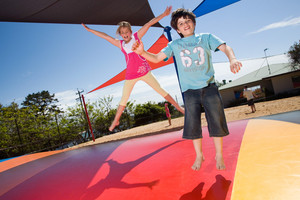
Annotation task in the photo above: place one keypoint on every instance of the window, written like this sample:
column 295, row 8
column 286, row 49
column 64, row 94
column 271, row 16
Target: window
column 296, row 81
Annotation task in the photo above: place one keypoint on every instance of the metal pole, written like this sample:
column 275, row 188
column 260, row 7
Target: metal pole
column 87, row 116
column 167, row 29
column 267, row 60
column 87, row 134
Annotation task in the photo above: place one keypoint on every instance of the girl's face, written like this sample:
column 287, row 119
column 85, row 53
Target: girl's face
column 185, row 26
column 125, row 33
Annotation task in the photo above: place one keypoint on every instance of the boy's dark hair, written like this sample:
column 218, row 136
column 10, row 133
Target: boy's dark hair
column 181, row 12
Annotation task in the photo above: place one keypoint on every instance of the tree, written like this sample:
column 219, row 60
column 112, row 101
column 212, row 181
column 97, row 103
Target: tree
column 148, row 113
column 174, row 113
column 294, row 55
column 17, row 129
column 127, row 119
column 104, row 115
column 44, row 101
column 75, row 119
column 43, row 104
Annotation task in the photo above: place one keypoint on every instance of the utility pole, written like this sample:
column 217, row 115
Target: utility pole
column 86, row 122
column 267, row 60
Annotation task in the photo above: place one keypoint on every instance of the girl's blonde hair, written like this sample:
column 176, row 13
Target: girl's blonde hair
column 123, row 24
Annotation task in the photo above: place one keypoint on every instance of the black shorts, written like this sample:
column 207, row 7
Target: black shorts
column 210, row 99
column 250, row 102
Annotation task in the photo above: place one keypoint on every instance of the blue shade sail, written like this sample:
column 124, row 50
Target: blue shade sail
column 208, row 6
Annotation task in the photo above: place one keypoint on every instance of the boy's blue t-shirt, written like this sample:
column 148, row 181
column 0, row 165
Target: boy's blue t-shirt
column 193, row 58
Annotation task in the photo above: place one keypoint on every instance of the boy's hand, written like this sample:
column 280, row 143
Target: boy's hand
column 235, row 65
column 138, row 47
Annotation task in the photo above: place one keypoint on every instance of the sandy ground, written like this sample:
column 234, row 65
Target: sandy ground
column 232, row 114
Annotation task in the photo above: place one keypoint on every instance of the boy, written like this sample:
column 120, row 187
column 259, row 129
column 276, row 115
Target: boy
column 196, row 78
column 250, row 98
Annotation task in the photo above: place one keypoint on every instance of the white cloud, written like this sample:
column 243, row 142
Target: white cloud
column 281, row 24
column 66, row 98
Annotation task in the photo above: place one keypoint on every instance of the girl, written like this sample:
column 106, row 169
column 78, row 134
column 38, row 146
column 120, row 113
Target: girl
column 137, row 66
column 168, row 114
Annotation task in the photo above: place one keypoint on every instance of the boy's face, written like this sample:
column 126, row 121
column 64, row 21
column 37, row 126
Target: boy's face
column 185, row 26
column 125, row 34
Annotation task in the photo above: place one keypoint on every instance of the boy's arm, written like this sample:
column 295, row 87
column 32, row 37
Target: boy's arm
column 254, row 95
column 235, row 65
column 139, row 49
column 104, row 36
column 153, row 21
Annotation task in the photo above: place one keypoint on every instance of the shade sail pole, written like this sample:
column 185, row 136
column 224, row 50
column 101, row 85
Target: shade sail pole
column 87, row 116
column 167, row 29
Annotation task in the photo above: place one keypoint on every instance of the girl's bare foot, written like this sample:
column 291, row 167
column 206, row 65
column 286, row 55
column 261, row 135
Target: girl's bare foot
column 113, row 125
column 198, row 162
column 220, row 162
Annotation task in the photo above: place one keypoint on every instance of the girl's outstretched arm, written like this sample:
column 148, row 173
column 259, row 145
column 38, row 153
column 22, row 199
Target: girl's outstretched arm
column 104, row 36
column 153, row 21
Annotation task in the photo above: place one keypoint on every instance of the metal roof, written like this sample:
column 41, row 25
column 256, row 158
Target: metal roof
column 262, row 73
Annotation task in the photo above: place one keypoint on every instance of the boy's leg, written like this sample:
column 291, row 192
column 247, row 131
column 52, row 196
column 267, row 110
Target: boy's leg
column 252, row 108
column 199, row 155
column 219, row 153
column 216, row 121
column 192, row 124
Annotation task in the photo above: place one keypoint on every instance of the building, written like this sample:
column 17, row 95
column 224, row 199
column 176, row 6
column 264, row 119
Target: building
column 270, row 81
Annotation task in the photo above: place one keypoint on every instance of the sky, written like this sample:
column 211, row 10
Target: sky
column 65, row 58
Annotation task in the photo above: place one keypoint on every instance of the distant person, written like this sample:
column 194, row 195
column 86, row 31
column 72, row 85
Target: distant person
column 249, row 94
column 168, row 114
column 137, row 66
column 196, row 78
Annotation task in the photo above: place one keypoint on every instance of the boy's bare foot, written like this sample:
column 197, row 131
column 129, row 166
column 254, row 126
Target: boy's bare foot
column 113, row 125
column 198, row 162
column 220, row 162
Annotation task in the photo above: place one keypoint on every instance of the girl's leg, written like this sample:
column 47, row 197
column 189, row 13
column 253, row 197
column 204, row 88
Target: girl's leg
column 219, row 153
column 117, row 117
column 170, row 123
column 152, row 82
column 199, row 155
column 127, row 88
column 174, row 103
